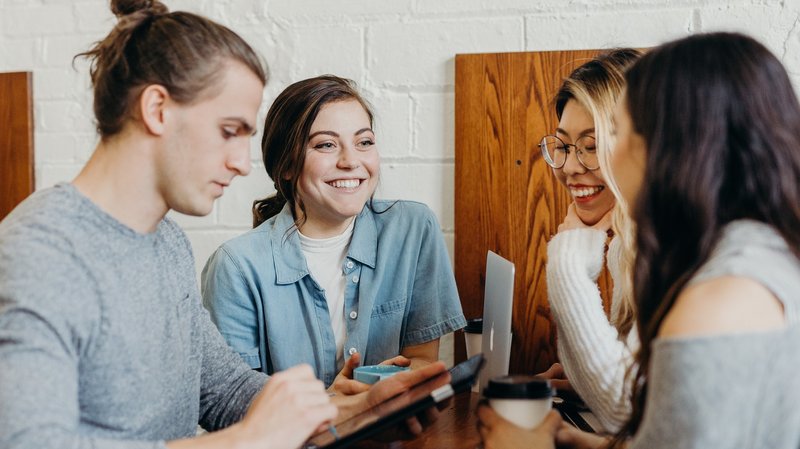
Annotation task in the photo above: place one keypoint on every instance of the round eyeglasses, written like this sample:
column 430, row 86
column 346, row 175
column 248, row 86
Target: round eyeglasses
column 555, row 151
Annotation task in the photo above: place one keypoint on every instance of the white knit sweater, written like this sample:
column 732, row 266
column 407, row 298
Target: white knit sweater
column 594, row 356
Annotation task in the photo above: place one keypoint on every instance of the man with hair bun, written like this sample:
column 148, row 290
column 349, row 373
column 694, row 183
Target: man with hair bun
column 104, row 342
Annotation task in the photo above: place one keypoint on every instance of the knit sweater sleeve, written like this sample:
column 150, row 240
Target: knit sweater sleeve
column 589, row 347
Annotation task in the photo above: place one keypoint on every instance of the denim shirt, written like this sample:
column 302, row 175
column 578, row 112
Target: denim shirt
column 400, row 291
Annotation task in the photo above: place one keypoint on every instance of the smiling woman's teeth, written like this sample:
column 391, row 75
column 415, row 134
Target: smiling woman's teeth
column 585, row 191
column 345, row 183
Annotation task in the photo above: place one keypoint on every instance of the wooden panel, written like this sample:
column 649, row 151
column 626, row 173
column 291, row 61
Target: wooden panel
column 16, row 140
column 506, row 197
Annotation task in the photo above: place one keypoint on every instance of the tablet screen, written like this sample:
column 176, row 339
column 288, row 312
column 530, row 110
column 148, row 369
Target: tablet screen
column 384, row 415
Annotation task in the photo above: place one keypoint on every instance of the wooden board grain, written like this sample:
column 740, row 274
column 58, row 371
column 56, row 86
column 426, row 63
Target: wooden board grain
column 506, row 197
column 16, row 140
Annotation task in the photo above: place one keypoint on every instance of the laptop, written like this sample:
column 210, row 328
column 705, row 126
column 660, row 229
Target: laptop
column 498, row 302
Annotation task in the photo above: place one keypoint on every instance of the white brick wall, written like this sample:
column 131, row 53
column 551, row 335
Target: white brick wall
column 401, row 52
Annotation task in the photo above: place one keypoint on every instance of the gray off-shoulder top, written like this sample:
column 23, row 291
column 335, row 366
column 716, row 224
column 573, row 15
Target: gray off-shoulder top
column 732, row 391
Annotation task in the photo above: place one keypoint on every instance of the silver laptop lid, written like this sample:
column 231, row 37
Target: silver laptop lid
column 498, row 301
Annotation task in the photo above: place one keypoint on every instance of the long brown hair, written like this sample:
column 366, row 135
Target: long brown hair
column 286, row 131
column 721, row 124
column 150, row 45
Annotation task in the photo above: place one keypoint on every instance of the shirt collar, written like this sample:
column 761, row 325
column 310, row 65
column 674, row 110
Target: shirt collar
column 287, row 254
column 364, row 245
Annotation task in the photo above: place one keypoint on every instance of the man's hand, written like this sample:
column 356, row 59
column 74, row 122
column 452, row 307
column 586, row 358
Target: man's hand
column 291, row 407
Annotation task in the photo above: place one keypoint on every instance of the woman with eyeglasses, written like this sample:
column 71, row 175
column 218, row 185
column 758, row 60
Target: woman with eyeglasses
column 707, row 155
column 595, row 351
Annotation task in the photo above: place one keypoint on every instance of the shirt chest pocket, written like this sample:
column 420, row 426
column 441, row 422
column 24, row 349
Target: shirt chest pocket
column 389, row 308
column 386, row 328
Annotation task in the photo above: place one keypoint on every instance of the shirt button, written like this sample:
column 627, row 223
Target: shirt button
column 352, row 351
column 349, row 264
column 355, row 279
column 353, row 315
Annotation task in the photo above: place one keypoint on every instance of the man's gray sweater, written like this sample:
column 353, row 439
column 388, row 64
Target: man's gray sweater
column 104, row 342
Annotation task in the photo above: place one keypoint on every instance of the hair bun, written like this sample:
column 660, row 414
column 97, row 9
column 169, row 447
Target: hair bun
column 122, row 8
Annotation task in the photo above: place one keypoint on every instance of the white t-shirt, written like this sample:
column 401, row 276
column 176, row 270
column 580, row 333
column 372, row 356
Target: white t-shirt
column 325, row 260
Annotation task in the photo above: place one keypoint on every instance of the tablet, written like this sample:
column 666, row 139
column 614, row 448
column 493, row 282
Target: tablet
column 395, row 410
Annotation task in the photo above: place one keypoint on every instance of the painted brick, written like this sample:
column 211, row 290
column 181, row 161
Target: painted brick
column 662, row 4
column 431, row 184
column 55, row 147
column 423, row 53
column 236, row 204
column 20, row 54
column 455, row 7
column 434, row 125
column 54, row 18
column 605, row 29
column 392, row 123
column 86, row 143
column 57, row 84
column 239, row 12
column 62, row 116
column 791, row 56
column 279, row 63
column 205, row 242
column 195, row 6
column 338, row 11
column 58, row 52
column 322, row 50
column 49, row 175
column 769, row 24
column 94, row 17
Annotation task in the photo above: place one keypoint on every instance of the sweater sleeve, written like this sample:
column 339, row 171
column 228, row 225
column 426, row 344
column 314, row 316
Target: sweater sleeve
column 228, row 384
column 595, row 360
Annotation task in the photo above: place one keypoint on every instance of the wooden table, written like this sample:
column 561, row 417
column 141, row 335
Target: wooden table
column 455, row 428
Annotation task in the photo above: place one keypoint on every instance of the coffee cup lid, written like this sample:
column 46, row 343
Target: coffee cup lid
column 518, row 387
column 474, row 326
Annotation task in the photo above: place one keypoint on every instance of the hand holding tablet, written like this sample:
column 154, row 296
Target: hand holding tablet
column 392, row 401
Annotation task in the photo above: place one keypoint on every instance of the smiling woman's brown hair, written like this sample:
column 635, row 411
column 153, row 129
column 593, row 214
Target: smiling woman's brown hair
column 721, row 124
column 286, row 131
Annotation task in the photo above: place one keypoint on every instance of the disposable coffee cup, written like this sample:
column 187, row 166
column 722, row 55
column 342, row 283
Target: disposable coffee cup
column 523, row 400
column 473, row 337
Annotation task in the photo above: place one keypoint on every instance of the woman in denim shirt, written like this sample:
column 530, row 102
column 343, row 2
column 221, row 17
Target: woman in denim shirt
column 328, row 272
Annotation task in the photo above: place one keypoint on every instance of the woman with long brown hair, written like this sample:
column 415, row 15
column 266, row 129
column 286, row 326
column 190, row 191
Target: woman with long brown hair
column 708, row 157
column 330, row 276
